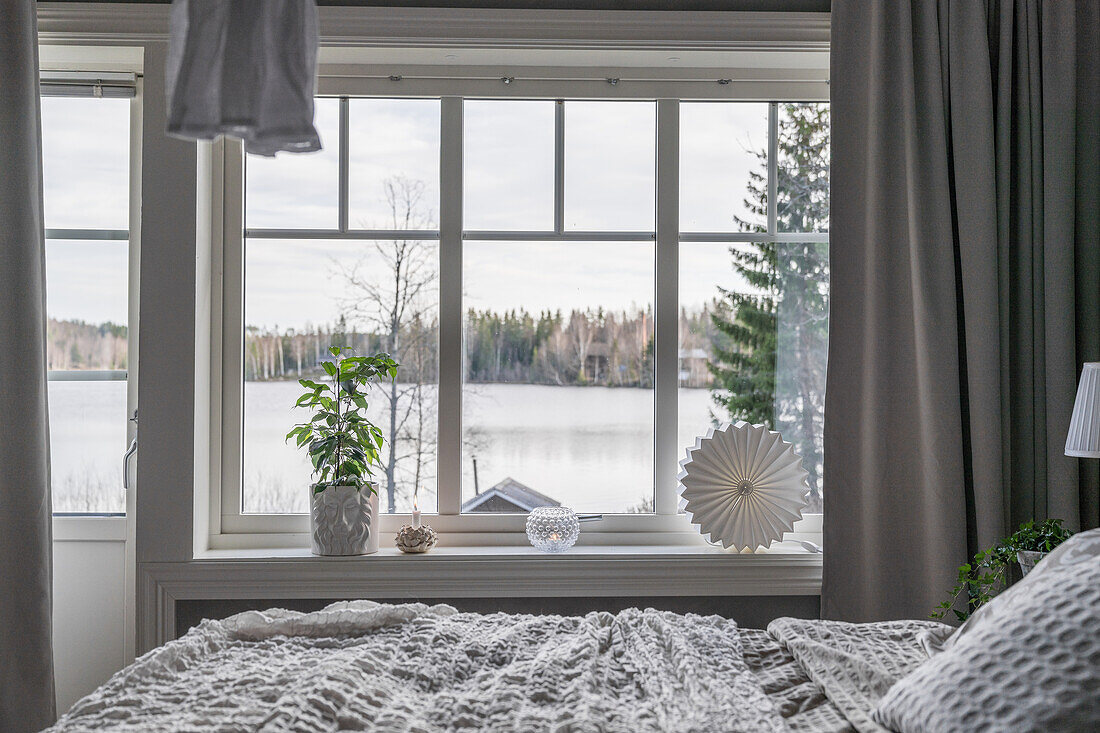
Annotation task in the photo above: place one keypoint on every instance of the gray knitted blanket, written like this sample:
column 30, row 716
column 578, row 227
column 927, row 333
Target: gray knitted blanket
column 361, row 665
column 855, row 664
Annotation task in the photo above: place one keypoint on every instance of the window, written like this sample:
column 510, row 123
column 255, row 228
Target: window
column 364, row 268
column 558, row 305
column 86, row 183
column 512, row 247
column 754, row 283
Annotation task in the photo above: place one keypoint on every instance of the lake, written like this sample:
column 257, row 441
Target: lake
column 588, row 447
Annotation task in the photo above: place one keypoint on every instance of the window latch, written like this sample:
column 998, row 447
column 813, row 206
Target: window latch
column 129, row 454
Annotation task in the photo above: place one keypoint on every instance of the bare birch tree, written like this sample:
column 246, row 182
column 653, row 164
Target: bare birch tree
column 392, row 294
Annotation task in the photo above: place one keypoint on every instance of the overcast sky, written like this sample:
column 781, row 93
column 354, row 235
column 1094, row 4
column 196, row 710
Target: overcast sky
column 509, row 174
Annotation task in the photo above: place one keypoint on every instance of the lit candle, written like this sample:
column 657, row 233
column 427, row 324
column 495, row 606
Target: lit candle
column 416, row 508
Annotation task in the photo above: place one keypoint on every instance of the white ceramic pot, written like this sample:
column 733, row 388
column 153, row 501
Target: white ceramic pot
column 344, row 521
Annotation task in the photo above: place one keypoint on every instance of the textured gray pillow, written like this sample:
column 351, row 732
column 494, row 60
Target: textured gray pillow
column 1029, row 661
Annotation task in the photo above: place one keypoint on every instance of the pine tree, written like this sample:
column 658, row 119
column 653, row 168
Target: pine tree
column 769, row 362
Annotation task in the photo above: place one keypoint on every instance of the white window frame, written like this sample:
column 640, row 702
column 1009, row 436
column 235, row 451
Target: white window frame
column 77, row 72
column 230, row 529
column 83, row 63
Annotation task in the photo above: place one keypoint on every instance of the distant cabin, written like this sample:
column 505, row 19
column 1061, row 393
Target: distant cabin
column 508, row 497
column 597, row 362
column 693, row 368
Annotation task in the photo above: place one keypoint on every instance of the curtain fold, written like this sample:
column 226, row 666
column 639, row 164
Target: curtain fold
column 965, row 287
column 26, row 654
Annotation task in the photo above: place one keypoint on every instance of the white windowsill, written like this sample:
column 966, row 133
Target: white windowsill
column 491, row 571
column 505, row 571
column 777, row 552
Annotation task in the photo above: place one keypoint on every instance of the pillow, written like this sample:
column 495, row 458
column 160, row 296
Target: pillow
column 1029, row 660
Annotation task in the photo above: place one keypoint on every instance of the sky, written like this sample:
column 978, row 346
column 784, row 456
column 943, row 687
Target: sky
column 508, row 180
column 85, row 150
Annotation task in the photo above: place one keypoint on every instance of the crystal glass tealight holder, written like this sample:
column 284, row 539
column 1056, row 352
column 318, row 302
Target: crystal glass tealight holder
column 553, row 528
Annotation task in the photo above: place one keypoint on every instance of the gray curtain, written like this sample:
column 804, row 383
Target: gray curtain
column 965, row 263
column 26, row 654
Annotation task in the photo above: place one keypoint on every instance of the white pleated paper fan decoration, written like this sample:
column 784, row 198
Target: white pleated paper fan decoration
column 743, row 485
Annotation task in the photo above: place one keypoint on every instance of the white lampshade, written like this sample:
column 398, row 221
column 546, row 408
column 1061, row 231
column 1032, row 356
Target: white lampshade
column 1084, row 427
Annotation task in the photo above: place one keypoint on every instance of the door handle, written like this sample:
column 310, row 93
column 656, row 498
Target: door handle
column 129, row 454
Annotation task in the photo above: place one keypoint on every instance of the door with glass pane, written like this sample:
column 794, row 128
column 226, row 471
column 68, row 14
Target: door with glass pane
column 89, row 339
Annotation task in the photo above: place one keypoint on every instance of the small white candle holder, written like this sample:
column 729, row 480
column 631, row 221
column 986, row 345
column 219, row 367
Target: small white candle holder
column 413, row 540
column 555, row 528
column 417, row 537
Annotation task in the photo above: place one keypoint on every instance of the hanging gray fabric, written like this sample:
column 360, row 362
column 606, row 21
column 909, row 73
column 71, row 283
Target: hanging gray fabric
column 26, row 650
column 244, row 68
column 965, row 294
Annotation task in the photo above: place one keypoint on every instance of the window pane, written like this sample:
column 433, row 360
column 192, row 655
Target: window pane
column 85, row 155
column 394, row 149
column 610, row 165
column 558, row 395
column 85, row 162
column 750, row 351
column 87, row 440
column 509, row 165
column 300, row 298
column 298, row 191
column 723, row 166
column 86, row 301
column 802, row 193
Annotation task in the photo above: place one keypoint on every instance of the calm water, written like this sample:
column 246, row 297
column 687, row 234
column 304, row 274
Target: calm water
column 87, row 440
column 587, row 447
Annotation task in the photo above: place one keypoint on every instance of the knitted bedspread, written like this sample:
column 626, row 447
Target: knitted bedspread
column 366, row 666
column 855, row 664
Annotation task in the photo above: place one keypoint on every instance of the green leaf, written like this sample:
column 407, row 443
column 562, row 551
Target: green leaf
column 338, row 429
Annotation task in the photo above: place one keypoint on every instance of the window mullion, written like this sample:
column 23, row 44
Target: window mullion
column 773, row 165
column 229, row 301
column 94, row 235
column 344, row 157
column 559, row 166
column 87, row 375
column 449, row 439
column 667, row 297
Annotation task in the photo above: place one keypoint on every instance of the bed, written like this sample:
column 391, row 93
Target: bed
column 1029, row 660
column 362, row 665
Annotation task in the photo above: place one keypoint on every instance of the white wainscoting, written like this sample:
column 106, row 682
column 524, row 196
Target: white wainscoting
column 89, row 607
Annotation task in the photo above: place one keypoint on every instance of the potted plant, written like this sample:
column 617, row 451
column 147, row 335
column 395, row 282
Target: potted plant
column 988, row 573
column 343, row 446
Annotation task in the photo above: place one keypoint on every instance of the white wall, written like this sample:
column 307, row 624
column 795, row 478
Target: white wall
column 88, row 614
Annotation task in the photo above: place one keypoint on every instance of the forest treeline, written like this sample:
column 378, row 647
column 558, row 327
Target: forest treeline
column 591, row 347
column 80, row 345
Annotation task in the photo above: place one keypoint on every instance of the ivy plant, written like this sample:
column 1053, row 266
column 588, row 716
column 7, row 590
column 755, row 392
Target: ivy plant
column 988, row 573
column 343, row 445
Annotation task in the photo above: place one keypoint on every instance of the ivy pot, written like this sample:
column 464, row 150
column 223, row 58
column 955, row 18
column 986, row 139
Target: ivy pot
column 990, row 571
column 343, row 520
column 1027, row 560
